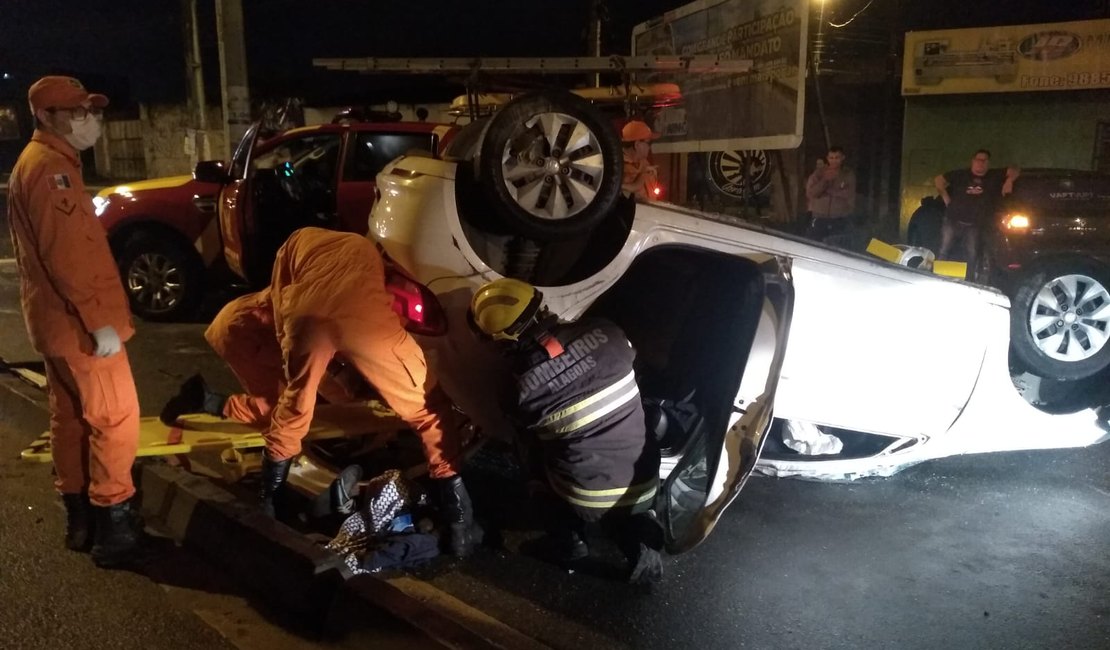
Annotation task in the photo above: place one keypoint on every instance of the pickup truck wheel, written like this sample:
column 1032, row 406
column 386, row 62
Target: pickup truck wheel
column 551, row 164
column 1060, row 319
column 162, row 276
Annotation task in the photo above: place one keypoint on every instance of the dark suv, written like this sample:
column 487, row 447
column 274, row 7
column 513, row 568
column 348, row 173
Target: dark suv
column 1049, row 250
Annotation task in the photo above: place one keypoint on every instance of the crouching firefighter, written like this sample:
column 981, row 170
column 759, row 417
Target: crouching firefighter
column 329, row 298
column 580, row 424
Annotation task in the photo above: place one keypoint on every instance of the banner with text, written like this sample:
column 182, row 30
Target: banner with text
column 1016, row 58
column 761, row 109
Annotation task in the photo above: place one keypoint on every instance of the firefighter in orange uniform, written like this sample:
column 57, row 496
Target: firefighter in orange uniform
column 78, row 318
column 329, row 298
column 640, row 177
column 243, row 335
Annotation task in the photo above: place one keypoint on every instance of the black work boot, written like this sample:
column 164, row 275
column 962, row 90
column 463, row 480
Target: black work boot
column 274, row 473
column 567, row 546
column 640, row 537
column 458, row 515
column 79, row 521
column 646, row 566
column 116, row 541
column 194, row 396
column 343, row 492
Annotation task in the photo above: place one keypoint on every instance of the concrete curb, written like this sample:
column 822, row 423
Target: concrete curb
column 283, row 567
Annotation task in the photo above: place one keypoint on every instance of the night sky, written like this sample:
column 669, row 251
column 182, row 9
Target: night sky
column 133, row 49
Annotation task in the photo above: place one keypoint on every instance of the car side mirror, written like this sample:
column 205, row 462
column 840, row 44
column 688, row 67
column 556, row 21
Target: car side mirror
column 210, row 171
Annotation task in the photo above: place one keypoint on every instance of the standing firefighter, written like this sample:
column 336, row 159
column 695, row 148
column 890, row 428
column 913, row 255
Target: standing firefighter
column 78, row 319
column 581, row 424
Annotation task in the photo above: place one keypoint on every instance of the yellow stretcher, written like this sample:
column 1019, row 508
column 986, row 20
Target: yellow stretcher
column 199, row 433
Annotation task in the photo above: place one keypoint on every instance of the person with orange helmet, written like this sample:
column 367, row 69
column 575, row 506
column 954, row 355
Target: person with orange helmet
column 640, row 176
column 78, row 318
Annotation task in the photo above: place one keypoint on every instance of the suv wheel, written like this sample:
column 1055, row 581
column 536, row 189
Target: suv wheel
column 551, row 164
column 162, row 276
column 1060, row 319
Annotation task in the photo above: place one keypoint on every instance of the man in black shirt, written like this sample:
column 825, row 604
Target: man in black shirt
column 972, row 197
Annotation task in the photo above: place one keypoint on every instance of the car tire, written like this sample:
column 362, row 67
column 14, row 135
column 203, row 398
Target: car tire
column 551, row 164
column 1047, row 334
column 162, row 276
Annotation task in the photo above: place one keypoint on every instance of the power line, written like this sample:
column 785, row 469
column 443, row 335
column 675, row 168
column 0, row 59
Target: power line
column 854, row 16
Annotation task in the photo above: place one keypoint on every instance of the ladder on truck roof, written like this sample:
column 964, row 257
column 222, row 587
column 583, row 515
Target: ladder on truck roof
column 539, row 65
column 625, row 66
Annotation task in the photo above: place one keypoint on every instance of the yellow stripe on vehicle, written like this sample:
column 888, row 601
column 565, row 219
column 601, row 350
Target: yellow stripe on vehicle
column 139, row 186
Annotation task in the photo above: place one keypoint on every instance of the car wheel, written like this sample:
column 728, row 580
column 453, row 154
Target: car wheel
column 551, row 164
column 1060, row 319
column 162, row 276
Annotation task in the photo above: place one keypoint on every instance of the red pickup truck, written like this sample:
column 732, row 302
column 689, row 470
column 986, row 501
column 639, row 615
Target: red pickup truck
column 174, row 236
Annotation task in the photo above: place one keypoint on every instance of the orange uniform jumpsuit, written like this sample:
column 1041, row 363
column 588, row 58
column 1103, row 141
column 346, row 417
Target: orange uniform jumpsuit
column 636, row 181
column 70, row 287
column 329, row 297
column 243, row 335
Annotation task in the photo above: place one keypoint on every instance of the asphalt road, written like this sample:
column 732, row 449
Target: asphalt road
column 992, row 551
column 997, row 551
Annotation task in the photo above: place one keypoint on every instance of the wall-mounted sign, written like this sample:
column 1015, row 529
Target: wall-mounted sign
column 1016, row 58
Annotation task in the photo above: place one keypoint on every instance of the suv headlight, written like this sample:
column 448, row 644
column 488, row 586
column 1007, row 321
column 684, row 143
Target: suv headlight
column 1016, row 222
column 101, row 204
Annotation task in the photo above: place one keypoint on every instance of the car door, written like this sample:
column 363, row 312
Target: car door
column 709, row 328
column 290, row 183
column 366, row 154
column 719, row 459
column 882, row 349
column 233, row 205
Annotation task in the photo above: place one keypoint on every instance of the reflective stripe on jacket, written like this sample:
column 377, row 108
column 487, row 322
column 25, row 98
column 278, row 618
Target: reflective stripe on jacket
column 581, row 413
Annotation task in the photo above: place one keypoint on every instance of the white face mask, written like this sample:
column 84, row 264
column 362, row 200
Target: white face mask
column 84, row 133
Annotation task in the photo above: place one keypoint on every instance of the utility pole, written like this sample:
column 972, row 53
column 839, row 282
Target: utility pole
column 593, row 35
column 818, row 54
column 233, row 72
column 194, row 72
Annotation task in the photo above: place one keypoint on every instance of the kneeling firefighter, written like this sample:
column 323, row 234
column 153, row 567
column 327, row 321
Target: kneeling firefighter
column 580, row 424
column 328, row 298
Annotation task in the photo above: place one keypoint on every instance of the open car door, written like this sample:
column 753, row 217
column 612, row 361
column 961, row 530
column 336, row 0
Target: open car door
column 719, row 456
column 235, row 206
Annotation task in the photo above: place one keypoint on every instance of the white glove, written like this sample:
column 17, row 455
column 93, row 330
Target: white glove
column 107, row 341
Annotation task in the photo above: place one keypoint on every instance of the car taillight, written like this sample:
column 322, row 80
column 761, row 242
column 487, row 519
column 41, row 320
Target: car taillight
column 416, row 304
column 1016, row 222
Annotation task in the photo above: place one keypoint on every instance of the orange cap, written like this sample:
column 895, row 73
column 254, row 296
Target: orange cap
column 62, row 92
column 637, row 130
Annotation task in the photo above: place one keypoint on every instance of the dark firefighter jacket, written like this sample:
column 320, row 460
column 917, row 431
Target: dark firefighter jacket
column 578, row 399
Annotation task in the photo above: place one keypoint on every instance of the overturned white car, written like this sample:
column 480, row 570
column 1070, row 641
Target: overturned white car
column 736, row 324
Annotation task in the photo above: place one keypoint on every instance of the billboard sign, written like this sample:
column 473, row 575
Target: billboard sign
column 1016, row 58
column 761, row 109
